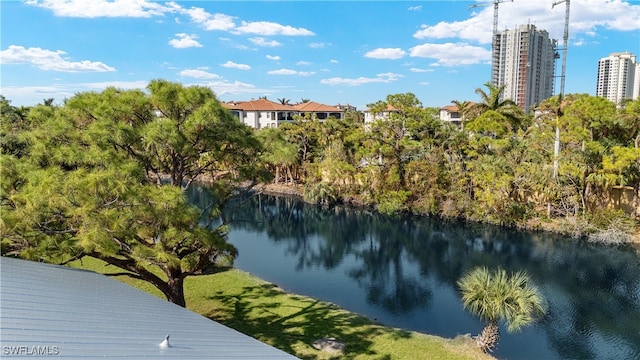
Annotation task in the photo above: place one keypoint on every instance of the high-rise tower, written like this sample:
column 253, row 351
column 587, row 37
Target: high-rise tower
column 526, row 65
column 617, row 78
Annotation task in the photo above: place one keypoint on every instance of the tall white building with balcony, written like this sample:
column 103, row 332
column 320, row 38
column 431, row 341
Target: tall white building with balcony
column 618, row 77
column 525, row 65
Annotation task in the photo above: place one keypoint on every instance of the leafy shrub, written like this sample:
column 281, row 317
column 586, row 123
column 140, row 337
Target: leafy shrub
column 320, row 193
column 392, row 202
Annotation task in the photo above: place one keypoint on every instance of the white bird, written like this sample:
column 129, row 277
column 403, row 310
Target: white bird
column 165, row 343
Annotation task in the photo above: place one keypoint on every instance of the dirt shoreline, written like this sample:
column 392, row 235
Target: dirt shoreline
column 297, row 190
column 279, row 189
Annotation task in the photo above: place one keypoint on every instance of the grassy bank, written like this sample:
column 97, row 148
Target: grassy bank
column 291, row 322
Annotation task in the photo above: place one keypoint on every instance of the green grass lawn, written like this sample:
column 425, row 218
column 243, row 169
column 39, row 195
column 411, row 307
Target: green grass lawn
column 291, row 322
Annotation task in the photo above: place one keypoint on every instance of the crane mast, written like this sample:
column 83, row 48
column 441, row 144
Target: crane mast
column 565, row 41
column 494, row 37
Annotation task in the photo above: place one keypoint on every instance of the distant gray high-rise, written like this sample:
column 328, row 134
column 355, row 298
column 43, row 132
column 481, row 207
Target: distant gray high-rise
column 525, row 66
column 618, row 77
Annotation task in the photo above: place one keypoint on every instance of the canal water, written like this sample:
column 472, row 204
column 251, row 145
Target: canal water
column 402, row 272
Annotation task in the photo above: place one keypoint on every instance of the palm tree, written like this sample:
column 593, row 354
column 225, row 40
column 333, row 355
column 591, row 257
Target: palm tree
column 494, row 296
column 492, row 101
column 284, row 101
column 463, row 107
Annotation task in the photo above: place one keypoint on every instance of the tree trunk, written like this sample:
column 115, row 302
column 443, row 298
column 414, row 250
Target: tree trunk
column 489, row 337
column 175, row 291
column 172, row 289
column 636, row 186
column 636, row 189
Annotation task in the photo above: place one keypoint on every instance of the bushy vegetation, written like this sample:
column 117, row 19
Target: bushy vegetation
column 104, row 174
column 498, row 166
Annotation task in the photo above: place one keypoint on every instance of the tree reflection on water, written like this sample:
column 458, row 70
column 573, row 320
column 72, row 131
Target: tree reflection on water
column 593, row 291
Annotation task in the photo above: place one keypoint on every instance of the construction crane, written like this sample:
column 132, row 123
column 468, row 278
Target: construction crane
column 565, row 43
column 565, row 40
column 494, row 33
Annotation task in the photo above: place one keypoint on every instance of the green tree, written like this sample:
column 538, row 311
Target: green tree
column 90, row 182
column 151, row 233
column 304, row 133
column 464, row 107
column 631, row 118
column 490, row 123
column 596, row 115
column 389, row 136
column 493, row 101
column 280, row 155
column 495, row 296
column 13, row 121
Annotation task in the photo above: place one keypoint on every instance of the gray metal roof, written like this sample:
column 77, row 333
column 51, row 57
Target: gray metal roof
column 56, row 311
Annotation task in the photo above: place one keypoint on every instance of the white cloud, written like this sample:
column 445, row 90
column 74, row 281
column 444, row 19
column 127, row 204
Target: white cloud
column 450, row 54
column 586, row 17
column 610, row 14
column 210, row 21
column 102, row 8
column 282, row 72
column 273, row 57
column 317, row 45
column 198, row 74
column 234, row 88
column 125, row 85
column 380, row 78
column 49, row 60
column 474, row 29
column 147, row 8
column 418, row 70
column 386, row 53
column 578, row 42
column 290, row 72
column 267, row 28
column 185, row 41
column 232, row 65
column 303, row 63
column 264, row 42
column 31, row 95
column 333, row 61
column 415, row 8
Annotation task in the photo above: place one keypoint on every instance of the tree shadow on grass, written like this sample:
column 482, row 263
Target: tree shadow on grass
column 292, row 323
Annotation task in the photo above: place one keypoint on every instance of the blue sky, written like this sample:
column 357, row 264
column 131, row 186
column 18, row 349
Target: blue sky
column 331, row 52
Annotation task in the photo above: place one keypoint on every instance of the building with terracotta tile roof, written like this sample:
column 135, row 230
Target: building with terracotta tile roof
column 451, row 113
column 263, row 113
